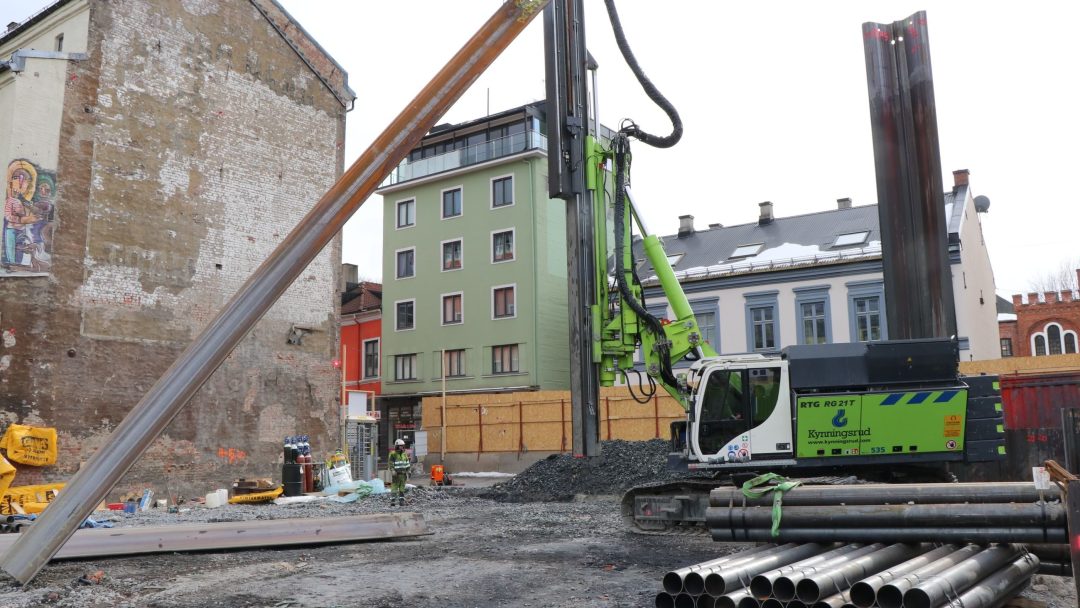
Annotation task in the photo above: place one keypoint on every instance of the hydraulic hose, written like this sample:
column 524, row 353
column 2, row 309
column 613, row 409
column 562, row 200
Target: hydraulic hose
column 654, row 94
column 622, row 149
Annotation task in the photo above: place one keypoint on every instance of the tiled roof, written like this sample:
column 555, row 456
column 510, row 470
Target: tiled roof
column 361, row 297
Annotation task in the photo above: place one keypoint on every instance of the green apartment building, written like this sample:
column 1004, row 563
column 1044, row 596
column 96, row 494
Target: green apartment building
column 474, row 267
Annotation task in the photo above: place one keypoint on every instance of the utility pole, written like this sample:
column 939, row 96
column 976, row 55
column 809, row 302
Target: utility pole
column 566, row 66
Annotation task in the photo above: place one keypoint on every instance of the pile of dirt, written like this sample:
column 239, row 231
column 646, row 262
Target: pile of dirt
column 559, row 477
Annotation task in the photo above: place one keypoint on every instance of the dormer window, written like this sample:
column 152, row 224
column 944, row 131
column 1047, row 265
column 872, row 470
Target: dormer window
column 673, row 259
column 745, row 251
column 851, row 238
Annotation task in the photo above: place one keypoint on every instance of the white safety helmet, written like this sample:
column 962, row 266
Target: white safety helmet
column 399, row 442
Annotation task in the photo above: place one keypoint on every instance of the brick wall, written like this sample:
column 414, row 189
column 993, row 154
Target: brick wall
column 193, row 140
column 1033, row 314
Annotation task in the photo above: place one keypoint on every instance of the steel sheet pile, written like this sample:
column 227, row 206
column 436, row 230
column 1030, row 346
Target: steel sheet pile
column 863, row 575
column 887, row 513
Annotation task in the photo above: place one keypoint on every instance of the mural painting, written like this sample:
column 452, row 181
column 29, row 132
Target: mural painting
column 29, row 219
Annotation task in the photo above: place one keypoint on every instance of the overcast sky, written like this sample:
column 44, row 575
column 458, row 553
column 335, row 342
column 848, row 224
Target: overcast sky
column 773, row 98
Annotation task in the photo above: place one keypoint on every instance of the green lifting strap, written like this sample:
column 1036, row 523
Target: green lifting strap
column 750, row 490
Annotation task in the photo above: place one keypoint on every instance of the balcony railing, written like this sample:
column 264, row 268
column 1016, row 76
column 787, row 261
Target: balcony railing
column 471, row 155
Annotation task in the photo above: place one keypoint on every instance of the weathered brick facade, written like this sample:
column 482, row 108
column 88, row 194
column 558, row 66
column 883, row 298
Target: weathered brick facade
column 1038, row 318
column 193, row 139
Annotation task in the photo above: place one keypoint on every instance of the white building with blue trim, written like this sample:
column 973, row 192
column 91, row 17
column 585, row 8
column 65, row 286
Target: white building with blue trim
column 817, row 278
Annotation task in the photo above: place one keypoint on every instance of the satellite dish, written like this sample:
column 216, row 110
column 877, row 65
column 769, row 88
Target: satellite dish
column 982, row 204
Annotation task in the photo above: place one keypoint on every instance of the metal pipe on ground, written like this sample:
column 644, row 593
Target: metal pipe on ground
column 685, row 600
column 820, row 584
column 749, row 602
column 762, row 585
column 891, row 594
column 185, row 377
column 934, row 591
column 1011, row 515
column 783, row 588
column 999, row 585
column 1055, row 568
column 673, row 580
column 838, row 600
column 665, row 600
column 863, row 593
column 218, row 536
column 773, row 603
column 877, row 494
column 724, row 580
column 893, row 535
column 694, row 581
column 731, row 600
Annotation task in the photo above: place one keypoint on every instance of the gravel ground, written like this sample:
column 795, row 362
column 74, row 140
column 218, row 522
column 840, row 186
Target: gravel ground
column 560, row 477
column 552, row 537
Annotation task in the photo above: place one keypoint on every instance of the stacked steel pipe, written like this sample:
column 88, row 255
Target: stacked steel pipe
column 853, row 576
column 910, row 513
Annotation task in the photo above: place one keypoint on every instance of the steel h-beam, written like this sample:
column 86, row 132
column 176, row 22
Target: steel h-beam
column 911, row 205
column 567, row 116
column 174, row 389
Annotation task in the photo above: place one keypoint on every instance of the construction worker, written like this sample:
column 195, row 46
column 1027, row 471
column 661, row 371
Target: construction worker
column 399, row 465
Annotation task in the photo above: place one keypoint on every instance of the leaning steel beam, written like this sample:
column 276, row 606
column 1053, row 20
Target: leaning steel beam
column 169, row 395
column 219, row 536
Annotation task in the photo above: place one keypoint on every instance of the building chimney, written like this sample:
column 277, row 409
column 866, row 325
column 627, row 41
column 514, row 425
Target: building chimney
column 686, row 225
column 960, row 177
column 843, row 203
column 12, row 25
column 1018, row 301
column 349, row 274
column 714, row 226
column 766, row 216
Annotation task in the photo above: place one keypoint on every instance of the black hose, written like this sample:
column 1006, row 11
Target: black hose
column 621, row 144
column 650, row 89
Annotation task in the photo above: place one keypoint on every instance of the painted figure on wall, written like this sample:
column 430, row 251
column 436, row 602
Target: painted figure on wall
column 29, row 219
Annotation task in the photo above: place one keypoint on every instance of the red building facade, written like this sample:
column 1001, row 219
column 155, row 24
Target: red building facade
column 361, row 341
column 1049, row 325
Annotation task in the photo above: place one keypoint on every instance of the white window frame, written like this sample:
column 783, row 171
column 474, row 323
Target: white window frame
column 442, row 209
column 378, row 357
column 413, row 301
column 513, row 248
column 442, row 253
column 1045, row 333
column 736, row 255
column 442, row 308
column 491, row 191
column 411, row 199
column 414, row 367
column 496, row 287
column 397, row 276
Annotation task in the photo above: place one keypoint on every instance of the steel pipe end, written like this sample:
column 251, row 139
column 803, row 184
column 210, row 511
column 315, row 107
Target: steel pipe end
column 694, row 584
column 749, row 602
column 665, row 600
column 706, row 601
column 685, row 600
column 772, row 602
column 917, row 598
column 715, row 584
column 760, row 587
column 672, row 583
column 890, row 597
column 797, row 604
column 783, row 589
column 862, row 595
column 807, row 591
